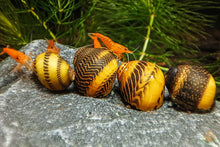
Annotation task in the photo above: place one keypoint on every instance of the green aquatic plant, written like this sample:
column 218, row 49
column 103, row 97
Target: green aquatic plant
column 11, row 31
column 162, row 27
column 23, row 21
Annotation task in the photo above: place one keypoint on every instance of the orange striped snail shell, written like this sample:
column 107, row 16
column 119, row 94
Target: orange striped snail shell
column 53, row 71
column 95, row 71
column 191, row 88
column 141, row 84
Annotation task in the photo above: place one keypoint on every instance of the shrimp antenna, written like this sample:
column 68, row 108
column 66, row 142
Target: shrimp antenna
column 90, row 34
column 134, row 56
column 31, row 37
column 136, row 49
column 128, row 57
column 89, row 45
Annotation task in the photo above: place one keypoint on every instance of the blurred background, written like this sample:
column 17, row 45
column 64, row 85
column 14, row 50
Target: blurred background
column 169, row 32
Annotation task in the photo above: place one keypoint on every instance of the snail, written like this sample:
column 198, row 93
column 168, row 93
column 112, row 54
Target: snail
column 191, row 88
column 52, row 70
column 141, row 84
column 95, row 71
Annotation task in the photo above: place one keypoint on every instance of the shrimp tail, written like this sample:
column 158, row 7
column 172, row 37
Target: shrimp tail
column 95, row 40
column 106, row 40
column 51, row 47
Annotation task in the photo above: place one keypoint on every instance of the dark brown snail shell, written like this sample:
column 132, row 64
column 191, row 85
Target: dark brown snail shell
column 191, row 88
column 141, row 84
column 95, row 70
column 53, row 71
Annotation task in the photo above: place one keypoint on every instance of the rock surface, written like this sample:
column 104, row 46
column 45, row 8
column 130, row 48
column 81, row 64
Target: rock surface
column 31, row 115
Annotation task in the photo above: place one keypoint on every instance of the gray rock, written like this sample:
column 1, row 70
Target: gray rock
column 31, row 115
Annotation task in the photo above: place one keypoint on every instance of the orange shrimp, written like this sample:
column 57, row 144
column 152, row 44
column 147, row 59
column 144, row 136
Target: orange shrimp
column 116, row 48
column 51, row 47
column 19, row 57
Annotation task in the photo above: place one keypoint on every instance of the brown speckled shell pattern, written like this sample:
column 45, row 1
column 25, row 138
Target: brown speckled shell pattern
column 186, row 85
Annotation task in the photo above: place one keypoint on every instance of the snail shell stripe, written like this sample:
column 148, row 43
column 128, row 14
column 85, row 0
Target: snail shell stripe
column 95, row 71
column 141, row 84
column 53, row 71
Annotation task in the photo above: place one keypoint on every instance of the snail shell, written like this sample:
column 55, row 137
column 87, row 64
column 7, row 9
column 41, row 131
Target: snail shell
column 191, row 88
column 141, row 84
column 95, row 70
column 53, row 71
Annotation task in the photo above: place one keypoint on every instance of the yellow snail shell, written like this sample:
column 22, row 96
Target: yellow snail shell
column 191, row 88
column 53, row 71
column 95, row 70
column 141, row 84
